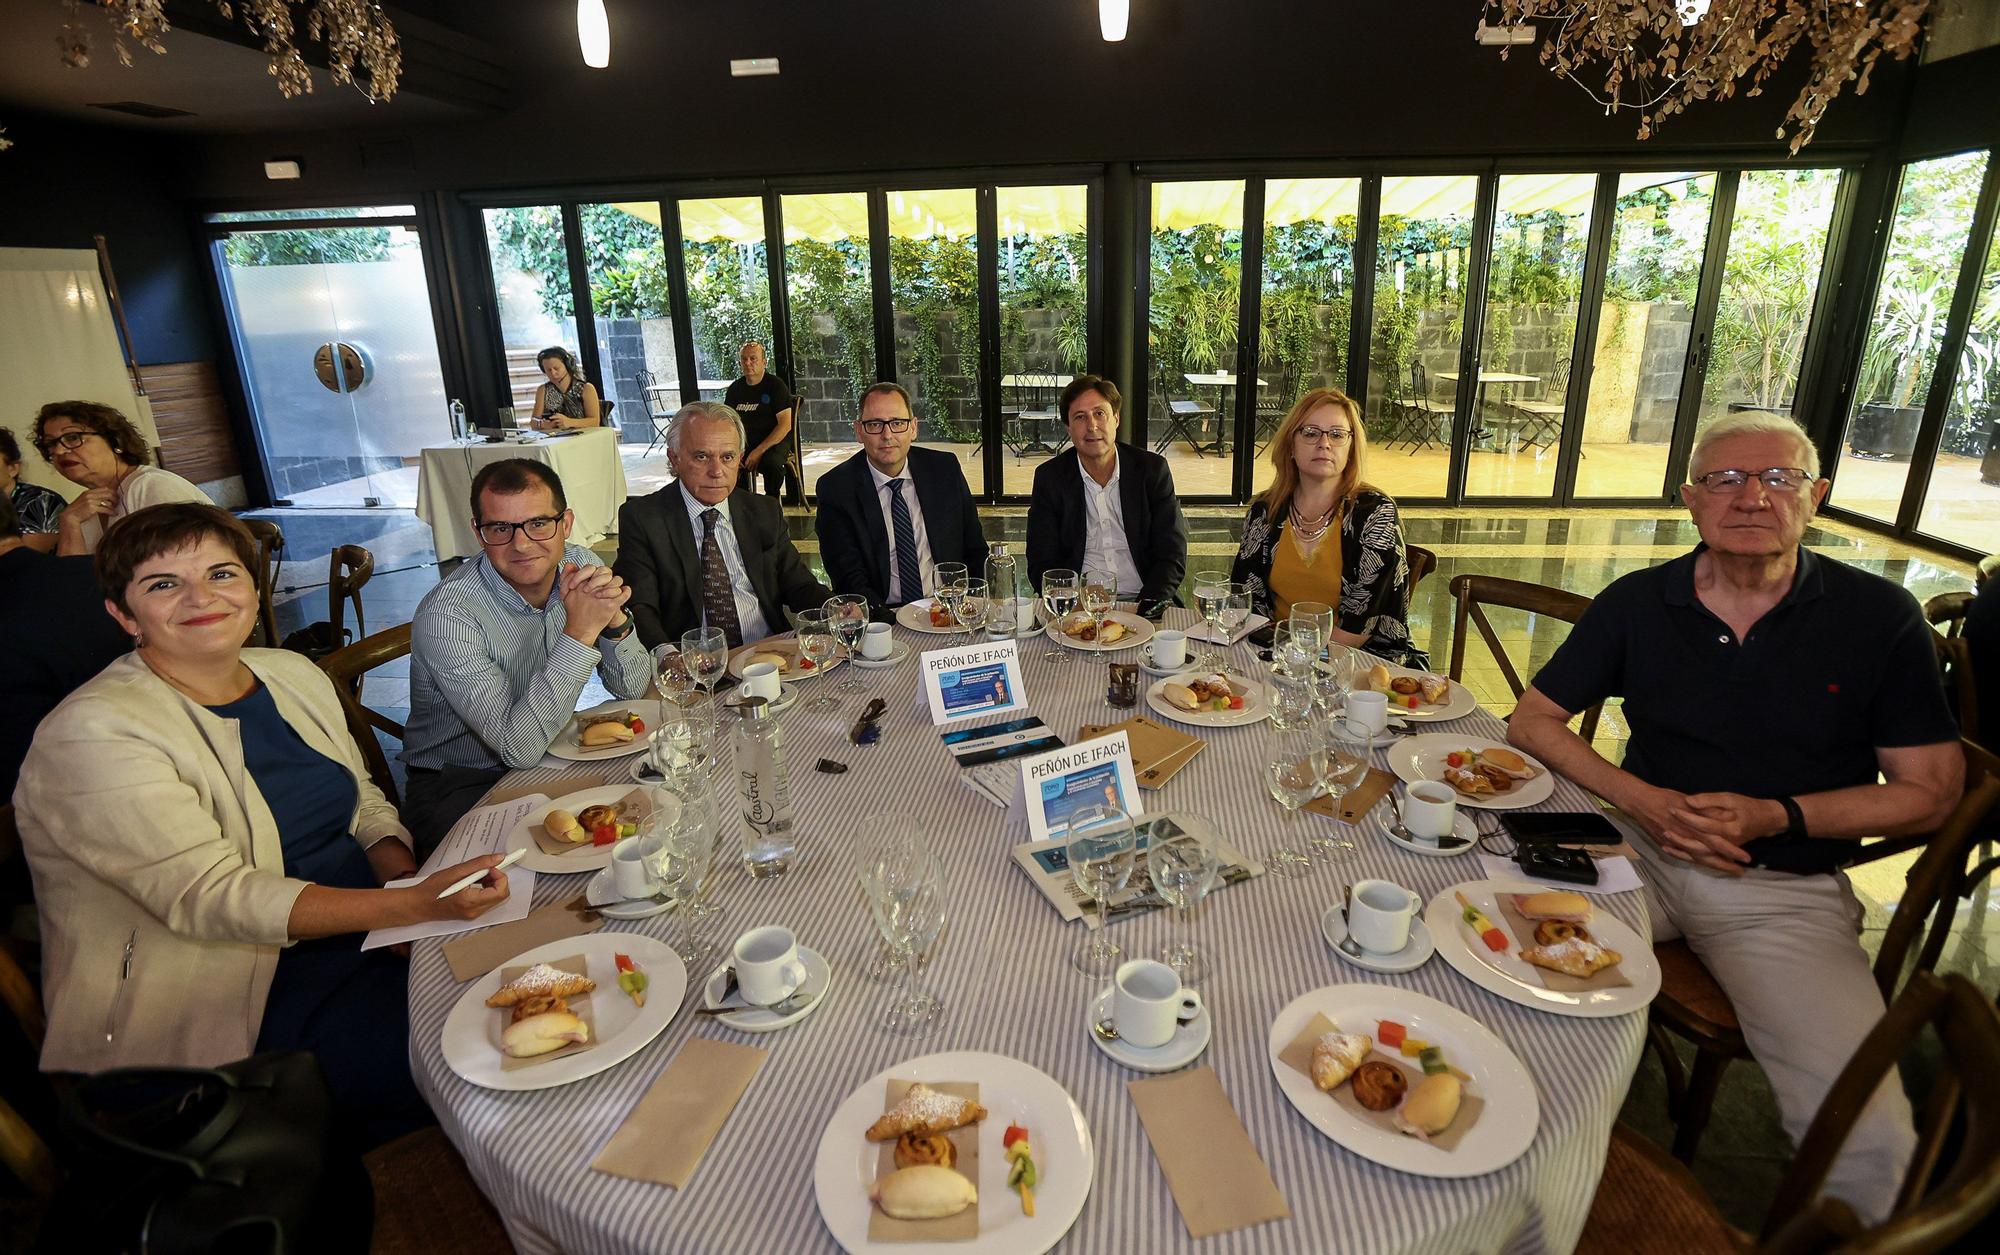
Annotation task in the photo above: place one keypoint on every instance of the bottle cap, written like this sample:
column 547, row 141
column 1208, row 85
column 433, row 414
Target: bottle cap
column 753, row 709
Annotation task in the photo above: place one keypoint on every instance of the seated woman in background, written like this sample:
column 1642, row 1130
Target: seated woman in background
column 1319, row 534
column 207, row 846
column 566, row 401
column 96, row 446
column 37, row 510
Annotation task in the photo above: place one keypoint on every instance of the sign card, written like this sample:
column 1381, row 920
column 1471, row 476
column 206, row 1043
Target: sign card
column 973, row 681
column 1061, row 782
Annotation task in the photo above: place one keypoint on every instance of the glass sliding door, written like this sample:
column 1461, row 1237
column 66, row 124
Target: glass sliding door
column 1962, row 495
column 1196, row 277
column 531, row 281
column 1645, row 325
column 934, row 284
column 1307, row 301
column 1919, row 280
column 729, row 287
column 1541, row 226
column 1043, row 260
column 1423, row 245
column 627, row 261
column 832, row 321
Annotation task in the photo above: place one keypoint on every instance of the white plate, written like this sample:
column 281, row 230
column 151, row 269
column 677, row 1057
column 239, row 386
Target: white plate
column 472, row 1031
column 900, row 653
column 1183, row 1048
column 788, row 648
column 1458, row 702
column 588, row 859
column 1137, row 632
column 1012, row 1093
column 819, row 980
column 916, row 616
column 1419, row 758
column 605, row 900
column 1415, row 953
column 1461, row 826
column 1255, row 708
column 1506, row 1125
column 566, row 746
column 1516, row 981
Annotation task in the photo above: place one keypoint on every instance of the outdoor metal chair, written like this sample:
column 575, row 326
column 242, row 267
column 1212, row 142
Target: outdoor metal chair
column 1430, row 421
column 1179, row 415
column 656, row 414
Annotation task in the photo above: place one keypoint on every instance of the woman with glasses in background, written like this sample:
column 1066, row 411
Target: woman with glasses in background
column 1320, row 534
column 99, row 448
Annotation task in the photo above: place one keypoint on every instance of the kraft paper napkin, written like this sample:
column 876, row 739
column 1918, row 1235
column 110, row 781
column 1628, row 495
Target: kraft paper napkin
column 1158, row 752
column 476, row 954
column 961, row 1227
column 1523, row 929
column 633, row 808
column 1298, row 1056
column 674, row 1122
column 1218, row 1179
column 1358, row 802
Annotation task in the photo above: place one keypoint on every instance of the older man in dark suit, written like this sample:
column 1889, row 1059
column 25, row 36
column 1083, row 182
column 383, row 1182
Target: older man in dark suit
column 1107, row 510
column 891, row 512
column 702, row 553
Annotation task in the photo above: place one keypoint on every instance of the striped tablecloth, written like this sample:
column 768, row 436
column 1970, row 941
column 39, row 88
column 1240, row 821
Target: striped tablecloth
column 1003, row 973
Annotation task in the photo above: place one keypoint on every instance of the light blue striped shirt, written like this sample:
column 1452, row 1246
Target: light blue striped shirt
column 493, row 679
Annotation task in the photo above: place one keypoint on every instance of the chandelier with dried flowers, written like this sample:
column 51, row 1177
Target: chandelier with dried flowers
column 1655, row 56
column 354, row 31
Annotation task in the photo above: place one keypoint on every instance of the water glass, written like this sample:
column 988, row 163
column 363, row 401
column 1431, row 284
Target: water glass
column 906, row 897
column 1231, row 613
column 1317, row 613
column 1346, row 766
column 1211, row 591
column 883, row 838
column 679, row 845
column 1295, row 772
column 706, row 653
column 1183, row 869
column 670, row 672
column 1295, row 647
column 1059, row 594
column 1100, row 598
column 848, row 613
column 975, row 603
column 1103, row 850
column 818, row 645
column 950, row 579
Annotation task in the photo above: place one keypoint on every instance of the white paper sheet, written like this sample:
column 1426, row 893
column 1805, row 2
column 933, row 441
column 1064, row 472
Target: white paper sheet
column 1614, row 875
column 482, row 830
column 1200, row 632
column 520, row 893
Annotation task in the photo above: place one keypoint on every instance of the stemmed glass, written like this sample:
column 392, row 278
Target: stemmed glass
column 884, row 838
column 706, row 653
column 1230, row 614
column 1295, row 772
column 817, row 645
column 974, row 603
column 1319, row 614
column 1211, row 591
column 1295, row 647
column 685, row 739
column 1059, row 593
column 906, row 894
column 677, row 849
column 1103, row 851
column 950, row 579
column 1336, row 677
column 1345, row 767
column 1100, row 598
column 848, row 612
column 1183, row 869
column 670, row 672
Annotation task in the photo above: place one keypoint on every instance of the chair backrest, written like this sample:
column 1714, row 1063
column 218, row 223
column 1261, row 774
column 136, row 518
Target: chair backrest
column 1942, row 873
column 1475, row 592
column 1955, row 665
column 270, row 552
column 347, row 666
column 1938, row 1204
column 1422, row 562
column 1947, row 612
column 1420, row 388
column 348, row 568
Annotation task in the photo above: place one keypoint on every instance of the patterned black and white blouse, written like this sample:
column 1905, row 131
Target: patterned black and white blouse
column 568, row 403
column 40, row 509
column 1374, row 573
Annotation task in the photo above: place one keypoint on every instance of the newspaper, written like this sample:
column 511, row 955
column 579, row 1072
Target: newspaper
column 1046, row 864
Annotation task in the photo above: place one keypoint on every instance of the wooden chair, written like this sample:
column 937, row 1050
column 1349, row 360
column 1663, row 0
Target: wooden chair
column 22, row 1149
column 347, row 666
column 1691, row 1005
column 1476, row 592
column 270, row 552
column 426, row 1203
column 348, row 568
column 1647, row 1203
column 1422, row 562
column 1955, row 663
column 1946, row 612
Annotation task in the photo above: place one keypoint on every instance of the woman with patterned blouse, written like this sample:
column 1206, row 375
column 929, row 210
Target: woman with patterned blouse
column 38, row 510
column 567, row 400
column 1319, row 534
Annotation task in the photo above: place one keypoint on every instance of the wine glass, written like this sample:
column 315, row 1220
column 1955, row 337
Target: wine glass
column 1317, row 613
column 1211, row 590
column 1231, row 612
column 1336, row 677
column 817, row 645
column 906, row 896
column 706, row 652
column 1102, row 851
column 1183, row 869
column 1295, row 647
column 1100, row 598
column 883, row 838
column 1059, row 593
column 848, row 612
column 1294, row 772
column 678, row 846
column 1346, row 767
column 670, row 672
column 974, row 603
column 950, row 579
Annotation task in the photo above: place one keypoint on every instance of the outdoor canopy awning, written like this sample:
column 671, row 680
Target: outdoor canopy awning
column 828, row 216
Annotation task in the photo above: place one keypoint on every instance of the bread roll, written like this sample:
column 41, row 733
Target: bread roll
column 1554, row 904
column 924, row 1192
column 1508, row 761
column 1180, row 695
column 1378, row 678
column 563, row 826
column 598, row 735
column 540, row 1034
column 1431, row 1106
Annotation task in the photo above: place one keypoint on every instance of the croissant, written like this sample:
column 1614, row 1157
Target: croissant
column 925, row 1110
column 1575, row 957
column 1336, row 1055
column 540, row 981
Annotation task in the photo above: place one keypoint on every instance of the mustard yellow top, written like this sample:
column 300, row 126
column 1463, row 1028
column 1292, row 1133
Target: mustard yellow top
column 1295, row 578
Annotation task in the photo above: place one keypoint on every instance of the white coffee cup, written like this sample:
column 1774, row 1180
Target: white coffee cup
column 1367, row 712
column 1148, row 1002
column 630, row 877
column 1024, row 614
column 760, row 679
column 1169, row 649
column 1429, row 808
column 768, row 967
column 877, row 641
column 1378, row 917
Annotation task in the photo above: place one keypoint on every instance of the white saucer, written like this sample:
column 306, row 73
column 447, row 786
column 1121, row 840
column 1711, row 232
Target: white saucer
column 1411, row 957
column 599, row 893
column 1461, row 826
column 899, row 654
column 1183, row 1048
column 819, row 980
column 1157, row 672
column 788, row 693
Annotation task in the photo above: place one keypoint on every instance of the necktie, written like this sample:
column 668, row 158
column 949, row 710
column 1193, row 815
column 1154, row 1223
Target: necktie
column 718, row 598
column 909, row 581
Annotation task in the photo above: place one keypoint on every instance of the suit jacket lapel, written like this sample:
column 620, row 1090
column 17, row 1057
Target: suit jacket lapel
column 941, row 522
column 756, row 544
column 1132, row 508
column 680, row 534
column 874, row 528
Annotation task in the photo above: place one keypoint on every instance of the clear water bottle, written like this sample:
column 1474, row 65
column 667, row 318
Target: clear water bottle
column 457, row 419
column 1006, row 585
column 764, row 788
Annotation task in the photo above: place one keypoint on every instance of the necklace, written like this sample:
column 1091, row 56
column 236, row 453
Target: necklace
column 1310, row 530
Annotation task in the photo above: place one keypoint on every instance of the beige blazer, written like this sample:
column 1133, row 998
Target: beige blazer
column 159, row 872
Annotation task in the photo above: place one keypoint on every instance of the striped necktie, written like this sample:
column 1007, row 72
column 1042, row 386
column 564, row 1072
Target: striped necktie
column 909, row 581
column 718, row 597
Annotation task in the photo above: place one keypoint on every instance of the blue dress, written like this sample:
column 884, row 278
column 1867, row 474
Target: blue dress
column 349, row 1008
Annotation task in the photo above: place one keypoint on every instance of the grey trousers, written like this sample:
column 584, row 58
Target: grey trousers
column 435, row 800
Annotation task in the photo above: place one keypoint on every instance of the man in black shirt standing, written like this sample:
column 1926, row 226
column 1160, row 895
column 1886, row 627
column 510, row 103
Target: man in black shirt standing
column 1766, row 687
column 766, row 405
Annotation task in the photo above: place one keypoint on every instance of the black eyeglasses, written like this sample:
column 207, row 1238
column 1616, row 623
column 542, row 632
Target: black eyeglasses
column 68, row 440
column 875, row 426
column 540, row 528
column 1776, row 478
column 1332, row 435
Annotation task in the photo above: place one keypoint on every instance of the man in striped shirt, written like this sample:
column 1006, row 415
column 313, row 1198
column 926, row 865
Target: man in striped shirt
column 501, row 649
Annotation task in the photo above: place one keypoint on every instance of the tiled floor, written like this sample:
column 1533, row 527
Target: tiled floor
column 1745, row 1151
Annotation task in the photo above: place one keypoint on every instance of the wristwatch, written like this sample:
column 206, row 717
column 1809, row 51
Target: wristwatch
column 622, row 631
column 1795, row 825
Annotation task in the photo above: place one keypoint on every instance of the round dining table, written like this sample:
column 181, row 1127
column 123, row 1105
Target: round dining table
column 1002, row 970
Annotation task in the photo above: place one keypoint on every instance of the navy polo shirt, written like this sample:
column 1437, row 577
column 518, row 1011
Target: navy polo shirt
column 1839, row 668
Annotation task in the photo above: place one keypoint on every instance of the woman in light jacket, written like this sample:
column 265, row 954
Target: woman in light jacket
column 207, row 846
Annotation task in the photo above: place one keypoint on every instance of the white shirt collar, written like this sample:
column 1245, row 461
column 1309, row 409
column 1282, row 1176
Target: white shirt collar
column 1107, row 485
column 881, row 480
column 695, row 508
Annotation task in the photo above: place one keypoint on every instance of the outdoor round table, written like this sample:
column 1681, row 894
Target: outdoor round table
column 1002, row 970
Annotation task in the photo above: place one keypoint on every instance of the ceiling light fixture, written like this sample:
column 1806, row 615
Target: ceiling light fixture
column 1112, row 18
column 593, row 33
